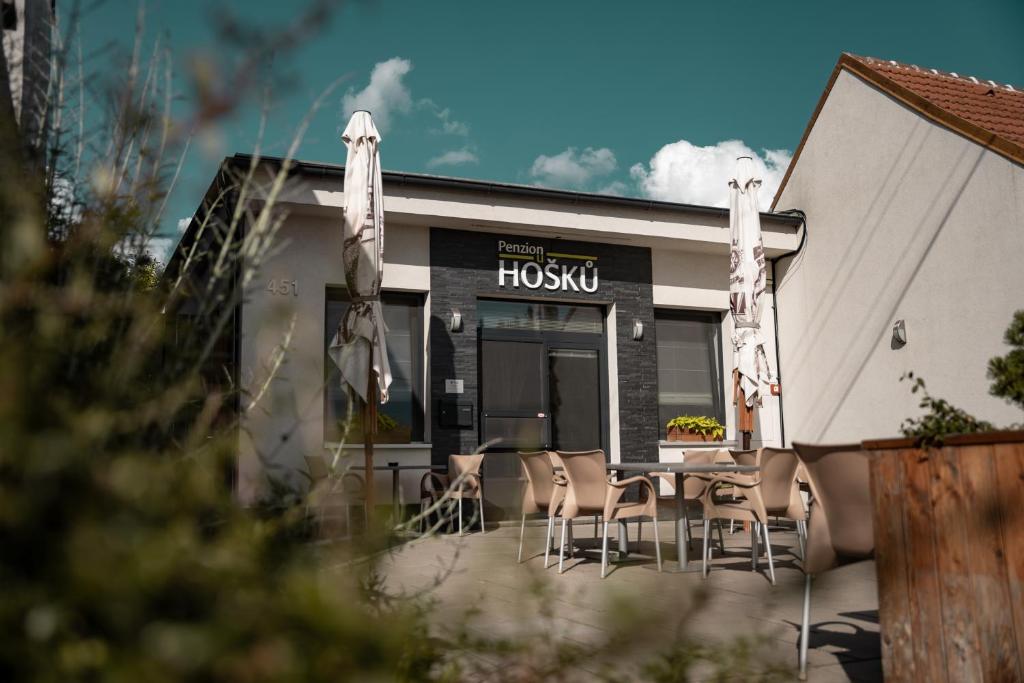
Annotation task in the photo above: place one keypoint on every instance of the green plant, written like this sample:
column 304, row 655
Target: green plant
column 942, row 419
column 1007, row 372
column 698, row 424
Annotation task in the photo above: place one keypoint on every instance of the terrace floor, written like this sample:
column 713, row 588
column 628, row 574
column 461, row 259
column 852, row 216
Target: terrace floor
column 480, row 574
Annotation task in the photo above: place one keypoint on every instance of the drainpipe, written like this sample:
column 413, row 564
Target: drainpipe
column 775, row 315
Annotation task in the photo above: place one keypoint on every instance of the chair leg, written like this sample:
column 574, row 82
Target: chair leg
column 732, row 526
column 639, row 533
column 689, row 534
column 721, row 541
column 768, row 551
column 522, row 532
column 549, row 540
column 572, row 542
column 800, row 539
column 561, row 549
column 460, row 515
column 596, row 532
column 657, row 543
column 480, row 503
column 805, row 627
column 604, row 551
column 704, row 554
column 754, row 550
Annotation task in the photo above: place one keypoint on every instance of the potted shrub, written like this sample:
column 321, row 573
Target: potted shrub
column 694, row 428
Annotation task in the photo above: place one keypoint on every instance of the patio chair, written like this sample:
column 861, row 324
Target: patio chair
column 770, row 492
column 464, row 469
column 589, row 492
column 326, row 496
column 543, row 493
column 840, row 527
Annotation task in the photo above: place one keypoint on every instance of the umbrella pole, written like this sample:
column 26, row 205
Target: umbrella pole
column 369, row 427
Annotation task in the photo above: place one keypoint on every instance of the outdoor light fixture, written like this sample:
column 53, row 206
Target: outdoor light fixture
column 899, row 334
column 456, row 322
column 638, row 330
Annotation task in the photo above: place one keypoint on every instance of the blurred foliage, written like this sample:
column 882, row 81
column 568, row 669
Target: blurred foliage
column 1007, row 372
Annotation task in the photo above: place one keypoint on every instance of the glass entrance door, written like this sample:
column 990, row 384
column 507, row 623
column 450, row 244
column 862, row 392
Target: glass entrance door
column 542, row 376
column 574, row 397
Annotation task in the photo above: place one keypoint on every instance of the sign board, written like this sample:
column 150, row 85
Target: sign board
column 453, row 386
column 529, row 266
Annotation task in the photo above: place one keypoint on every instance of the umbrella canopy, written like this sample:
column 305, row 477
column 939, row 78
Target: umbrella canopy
column 358, row 345
column 747, row 278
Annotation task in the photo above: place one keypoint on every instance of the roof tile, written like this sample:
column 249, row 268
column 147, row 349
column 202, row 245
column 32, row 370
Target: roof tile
column 998, row 108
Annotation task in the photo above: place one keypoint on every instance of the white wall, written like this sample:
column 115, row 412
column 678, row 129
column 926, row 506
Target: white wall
column 906, row 220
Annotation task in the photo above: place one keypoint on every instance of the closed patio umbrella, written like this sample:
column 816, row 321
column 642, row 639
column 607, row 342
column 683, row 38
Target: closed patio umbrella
column 747, row 278
column 358, row 347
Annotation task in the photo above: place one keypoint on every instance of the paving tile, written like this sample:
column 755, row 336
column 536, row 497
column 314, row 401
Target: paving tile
column 586, row 610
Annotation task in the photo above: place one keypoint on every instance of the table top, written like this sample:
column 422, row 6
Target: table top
column 401, row 467
column 679, row 467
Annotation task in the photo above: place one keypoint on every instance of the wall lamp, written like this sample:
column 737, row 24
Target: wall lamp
column 899, row 334
column 638, row 330
column 455, row 325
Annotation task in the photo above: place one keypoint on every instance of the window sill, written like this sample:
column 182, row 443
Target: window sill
column 379, row 446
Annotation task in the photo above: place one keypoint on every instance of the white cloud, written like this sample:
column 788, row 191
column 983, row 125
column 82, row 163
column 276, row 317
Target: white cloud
column 449, row 126
column 684, row 172
column 572, row 168
column 454, row 157
column 385, row 95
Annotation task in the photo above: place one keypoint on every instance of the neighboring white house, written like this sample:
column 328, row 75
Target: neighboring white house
column 913, row 187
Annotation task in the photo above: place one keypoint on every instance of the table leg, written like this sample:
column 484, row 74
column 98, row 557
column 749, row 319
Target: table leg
column 623, row 539
column 682, row 551
column 394, row 493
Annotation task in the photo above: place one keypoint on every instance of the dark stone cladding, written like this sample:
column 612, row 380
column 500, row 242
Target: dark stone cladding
column 464, row 266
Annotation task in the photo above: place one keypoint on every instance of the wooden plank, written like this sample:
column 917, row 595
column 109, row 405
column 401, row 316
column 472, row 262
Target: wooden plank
column 1009, row 484
column 992, row 615
column 924, row 595
column 949, row 522
column 891, row 567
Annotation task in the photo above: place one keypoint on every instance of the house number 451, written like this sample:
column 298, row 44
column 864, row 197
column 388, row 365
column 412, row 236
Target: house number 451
column 283, row 287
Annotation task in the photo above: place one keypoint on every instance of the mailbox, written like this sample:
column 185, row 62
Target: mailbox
column 456, row 414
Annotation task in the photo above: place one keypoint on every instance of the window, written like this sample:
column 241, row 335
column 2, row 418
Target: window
column 689, row 365
column 400, row 420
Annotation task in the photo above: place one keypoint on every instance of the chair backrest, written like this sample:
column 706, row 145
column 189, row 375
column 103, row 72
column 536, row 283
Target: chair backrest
column 465, row 464
column 693, row 487
column 748, row 457
column 778, row 476
column 588, row 481
column 841, row 513
column 539, row 473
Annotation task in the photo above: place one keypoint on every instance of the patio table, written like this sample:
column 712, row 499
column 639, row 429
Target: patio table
column 680, row 470
column 395, row 469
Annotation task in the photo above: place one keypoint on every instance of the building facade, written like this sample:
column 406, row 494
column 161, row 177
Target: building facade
column 517, row 315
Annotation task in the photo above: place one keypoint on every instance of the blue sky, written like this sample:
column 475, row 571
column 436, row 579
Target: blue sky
column 643, row 98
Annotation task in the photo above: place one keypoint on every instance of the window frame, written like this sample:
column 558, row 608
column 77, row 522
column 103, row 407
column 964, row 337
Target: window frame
column 714, row 320
column 413, row 300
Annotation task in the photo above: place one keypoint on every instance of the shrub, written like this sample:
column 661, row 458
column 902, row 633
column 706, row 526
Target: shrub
column 703, row 425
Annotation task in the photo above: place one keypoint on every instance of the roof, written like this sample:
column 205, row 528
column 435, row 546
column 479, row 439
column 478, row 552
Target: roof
column 989, row 113
column 490, row 187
